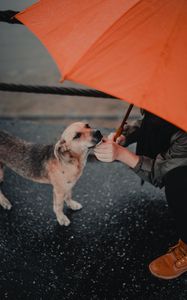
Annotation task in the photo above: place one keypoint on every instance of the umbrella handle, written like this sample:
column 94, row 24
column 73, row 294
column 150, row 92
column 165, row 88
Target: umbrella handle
column 120, row 129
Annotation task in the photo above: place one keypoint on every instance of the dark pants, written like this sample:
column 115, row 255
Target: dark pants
column 176, row 195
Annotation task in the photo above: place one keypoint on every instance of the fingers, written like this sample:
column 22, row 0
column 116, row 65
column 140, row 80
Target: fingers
column 106, row 151
column 105, row 146
column 104, row 157
column 120, row 140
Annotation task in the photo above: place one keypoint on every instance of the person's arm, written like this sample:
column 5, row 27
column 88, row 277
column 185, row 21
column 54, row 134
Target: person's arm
column 176, row 156
column 143, row 166
column 127, row 157
column 151, row 170
column 154, row 170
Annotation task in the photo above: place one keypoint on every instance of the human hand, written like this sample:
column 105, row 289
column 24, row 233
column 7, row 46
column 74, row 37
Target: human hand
column 120, row 140
column 107, row 151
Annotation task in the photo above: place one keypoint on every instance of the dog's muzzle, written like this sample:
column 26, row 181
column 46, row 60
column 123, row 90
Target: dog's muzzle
column 97, row 136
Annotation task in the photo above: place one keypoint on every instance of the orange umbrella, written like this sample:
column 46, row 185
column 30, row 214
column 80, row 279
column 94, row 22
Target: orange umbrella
column 135, row 50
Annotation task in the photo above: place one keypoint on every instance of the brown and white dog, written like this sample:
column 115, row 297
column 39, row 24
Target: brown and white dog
column 60, row 165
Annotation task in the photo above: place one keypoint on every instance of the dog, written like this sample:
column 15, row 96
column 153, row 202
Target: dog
column 60, row 165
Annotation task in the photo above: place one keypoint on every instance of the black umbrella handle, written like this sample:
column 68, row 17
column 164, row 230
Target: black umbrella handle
column 120, row 129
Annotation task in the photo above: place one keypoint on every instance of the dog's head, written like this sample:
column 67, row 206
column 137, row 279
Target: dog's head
column 78, row 138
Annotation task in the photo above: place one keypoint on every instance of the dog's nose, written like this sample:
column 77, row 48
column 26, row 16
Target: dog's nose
column 97, row 134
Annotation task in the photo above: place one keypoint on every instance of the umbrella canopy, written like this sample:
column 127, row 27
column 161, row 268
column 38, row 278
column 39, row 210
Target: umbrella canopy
column 135, row 50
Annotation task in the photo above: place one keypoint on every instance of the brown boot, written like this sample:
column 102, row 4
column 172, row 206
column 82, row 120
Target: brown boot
column 172, row 264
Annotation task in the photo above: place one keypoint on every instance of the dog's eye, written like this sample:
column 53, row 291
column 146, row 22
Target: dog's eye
column 87, row 126
column 77, row 136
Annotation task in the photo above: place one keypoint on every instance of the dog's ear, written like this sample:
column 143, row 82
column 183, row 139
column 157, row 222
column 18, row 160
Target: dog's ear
column 60, row 148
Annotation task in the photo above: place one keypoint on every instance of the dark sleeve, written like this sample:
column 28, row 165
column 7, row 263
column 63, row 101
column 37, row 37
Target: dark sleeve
column 154, row 170
column 144, row 168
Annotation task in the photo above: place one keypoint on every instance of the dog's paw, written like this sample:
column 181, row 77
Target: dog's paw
column 5, row 203
column 63, row 220
column 74, row 205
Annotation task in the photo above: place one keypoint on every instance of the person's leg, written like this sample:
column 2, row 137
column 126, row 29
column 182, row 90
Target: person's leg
column 174, row 263
column 176, row 196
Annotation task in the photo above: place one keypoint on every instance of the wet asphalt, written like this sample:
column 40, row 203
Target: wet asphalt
column 103, row 254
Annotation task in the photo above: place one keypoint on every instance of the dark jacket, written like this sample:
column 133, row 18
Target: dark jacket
column 154, row 170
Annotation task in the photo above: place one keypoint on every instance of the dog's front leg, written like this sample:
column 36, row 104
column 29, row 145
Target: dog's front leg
column 58, row 205
column 71, row 203
column 4, row 202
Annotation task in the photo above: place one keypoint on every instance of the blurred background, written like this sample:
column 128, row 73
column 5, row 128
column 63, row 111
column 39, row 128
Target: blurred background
column 24, row 60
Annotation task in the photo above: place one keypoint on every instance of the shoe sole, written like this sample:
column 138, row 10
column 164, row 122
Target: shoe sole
column 166, row 277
